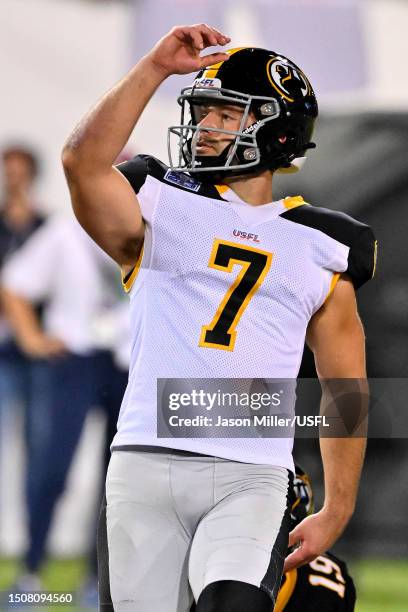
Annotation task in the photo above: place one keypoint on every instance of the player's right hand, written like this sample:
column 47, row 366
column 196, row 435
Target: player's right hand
column 179, row 51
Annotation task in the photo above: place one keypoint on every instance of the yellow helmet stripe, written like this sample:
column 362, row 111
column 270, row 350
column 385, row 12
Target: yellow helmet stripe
column 211, row 71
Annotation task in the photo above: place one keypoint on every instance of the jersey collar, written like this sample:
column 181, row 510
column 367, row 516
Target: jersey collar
column 287, row 203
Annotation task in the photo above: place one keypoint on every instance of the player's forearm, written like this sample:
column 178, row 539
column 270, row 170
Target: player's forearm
column 345, row 402
column 100, row 136
column 342, row 461
column 337, row 339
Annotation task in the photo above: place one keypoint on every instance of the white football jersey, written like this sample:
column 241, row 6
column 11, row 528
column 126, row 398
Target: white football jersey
column 223, row 289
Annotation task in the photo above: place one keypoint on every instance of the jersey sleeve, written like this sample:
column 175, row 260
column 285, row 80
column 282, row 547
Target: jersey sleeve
column 141, row 172
column 362, row 258
column 135, row 171
column 354, row 248
column 324, row 584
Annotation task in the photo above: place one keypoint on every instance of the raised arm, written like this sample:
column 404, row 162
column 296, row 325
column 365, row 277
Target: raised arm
column 336, row 337
column 103, row 200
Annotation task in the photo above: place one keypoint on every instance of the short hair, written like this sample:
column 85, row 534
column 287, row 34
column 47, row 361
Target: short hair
column 29, row 156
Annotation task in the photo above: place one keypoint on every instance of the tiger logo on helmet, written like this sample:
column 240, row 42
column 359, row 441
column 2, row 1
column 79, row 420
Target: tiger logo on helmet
column 288, row 81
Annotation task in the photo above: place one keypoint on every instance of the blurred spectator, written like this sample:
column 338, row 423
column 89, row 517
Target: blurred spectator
column 61, row 266
column 18, row 217
column 20, row 379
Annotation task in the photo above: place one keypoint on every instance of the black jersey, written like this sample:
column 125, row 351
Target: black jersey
column 324, row 585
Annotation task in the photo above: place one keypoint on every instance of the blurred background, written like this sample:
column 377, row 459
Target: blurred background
column 56, row 59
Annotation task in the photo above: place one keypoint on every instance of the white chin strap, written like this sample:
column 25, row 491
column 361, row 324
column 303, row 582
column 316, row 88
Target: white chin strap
column 296, row 165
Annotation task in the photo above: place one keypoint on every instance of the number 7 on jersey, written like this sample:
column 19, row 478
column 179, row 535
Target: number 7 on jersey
column 221, row 332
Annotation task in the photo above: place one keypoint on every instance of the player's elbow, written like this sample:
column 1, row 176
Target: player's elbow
column 73, row 175
column 77, row 161
column 70, row 158
column 80, row 164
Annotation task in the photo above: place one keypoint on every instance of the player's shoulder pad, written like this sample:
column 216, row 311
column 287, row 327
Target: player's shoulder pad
column 137, row 169
column 358, row 236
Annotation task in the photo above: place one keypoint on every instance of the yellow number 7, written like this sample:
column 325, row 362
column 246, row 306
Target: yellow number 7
column 221, row 333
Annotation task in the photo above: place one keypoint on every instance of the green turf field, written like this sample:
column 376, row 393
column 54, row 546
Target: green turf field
column 382, row 585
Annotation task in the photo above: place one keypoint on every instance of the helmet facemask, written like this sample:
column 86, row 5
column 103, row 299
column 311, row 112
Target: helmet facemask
column 241, row 155
column 264, row 83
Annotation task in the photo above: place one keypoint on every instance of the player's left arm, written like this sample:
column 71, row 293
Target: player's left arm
column 336, row 337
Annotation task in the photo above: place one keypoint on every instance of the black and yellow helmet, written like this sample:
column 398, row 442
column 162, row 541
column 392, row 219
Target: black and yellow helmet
column 303, row 500
column 265, row 83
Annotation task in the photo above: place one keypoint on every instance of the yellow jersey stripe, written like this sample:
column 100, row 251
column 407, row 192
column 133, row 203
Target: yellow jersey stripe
column 332, row 285
column 293, row 202
column 221, row 188
column 286, row 590
column 375, row 258
column 128, row 284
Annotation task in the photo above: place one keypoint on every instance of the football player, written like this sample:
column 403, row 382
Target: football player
column 224, row 282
